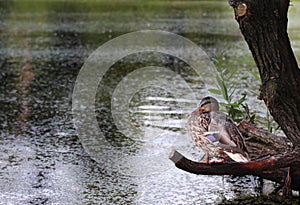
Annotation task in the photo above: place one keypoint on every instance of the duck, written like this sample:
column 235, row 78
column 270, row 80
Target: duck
column 216, row 134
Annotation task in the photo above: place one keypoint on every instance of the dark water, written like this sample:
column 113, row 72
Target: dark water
column 45, row 160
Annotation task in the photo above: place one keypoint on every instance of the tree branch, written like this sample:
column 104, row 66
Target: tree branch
column 261, row 167
column 271, row 156
column 261, row 142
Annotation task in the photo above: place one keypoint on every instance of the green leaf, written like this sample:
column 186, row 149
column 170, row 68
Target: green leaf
column 236, row 111
column 215, row 91
column 223, row 104
column 241, row 100
column 226, row 71
column 234, row 104
column 238, row 120
column 223, row 88
column 252, row 118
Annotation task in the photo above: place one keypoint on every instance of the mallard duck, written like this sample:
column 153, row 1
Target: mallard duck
column 215, row 133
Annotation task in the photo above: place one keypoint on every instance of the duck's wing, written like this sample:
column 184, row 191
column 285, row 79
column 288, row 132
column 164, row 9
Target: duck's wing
column 230, row 138
column 219, row 126
column 235, row 135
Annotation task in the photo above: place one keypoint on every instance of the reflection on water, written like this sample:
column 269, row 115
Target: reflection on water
column 42, row 48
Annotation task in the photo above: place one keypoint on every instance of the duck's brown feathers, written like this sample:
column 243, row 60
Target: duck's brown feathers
column 229, row 138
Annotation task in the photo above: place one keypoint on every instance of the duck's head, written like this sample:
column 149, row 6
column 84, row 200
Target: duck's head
column 208, row 104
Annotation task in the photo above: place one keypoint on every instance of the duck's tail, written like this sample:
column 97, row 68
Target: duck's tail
column 238, row 157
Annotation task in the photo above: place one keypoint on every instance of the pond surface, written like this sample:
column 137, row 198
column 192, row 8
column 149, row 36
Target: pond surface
column 141, row 102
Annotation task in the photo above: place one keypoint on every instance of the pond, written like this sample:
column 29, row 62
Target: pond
column 95, row 94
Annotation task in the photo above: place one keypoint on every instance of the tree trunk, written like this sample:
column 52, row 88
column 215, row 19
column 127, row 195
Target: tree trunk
column 263, row 24
column 264, row 27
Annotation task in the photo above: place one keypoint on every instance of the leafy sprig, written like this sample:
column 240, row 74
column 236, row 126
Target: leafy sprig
column 236, row 109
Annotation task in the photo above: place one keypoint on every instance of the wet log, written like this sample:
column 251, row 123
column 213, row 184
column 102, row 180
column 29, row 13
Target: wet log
column 255, row 167
column 268, row 167
column 260, row 142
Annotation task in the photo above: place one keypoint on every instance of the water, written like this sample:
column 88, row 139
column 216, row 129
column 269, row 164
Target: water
column 43, row 46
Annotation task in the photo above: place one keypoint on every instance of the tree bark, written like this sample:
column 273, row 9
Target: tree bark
column 264, row 27
column 260, row 142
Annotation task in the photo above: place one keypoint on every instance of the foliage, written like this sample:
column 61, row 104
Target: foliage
column 269, row 123
column 236, row 109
